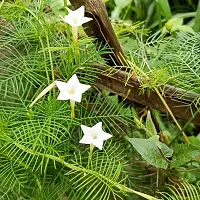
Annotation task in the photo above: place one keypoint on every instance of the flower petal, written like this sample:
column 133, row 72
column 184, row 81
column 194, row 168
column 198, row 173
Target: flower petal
column 70, row 12
column 86, row 130
column 98, row 143
column 84, row 20
column 73, row 81
column 63, row 96
column 67, row 19
column 98, row 126
column 62, row 86
column 80, row 12
column 86, row 140
column 77, row 96
column 76, row 18
column 82, row 88
column 95, row 135
column 104, row 136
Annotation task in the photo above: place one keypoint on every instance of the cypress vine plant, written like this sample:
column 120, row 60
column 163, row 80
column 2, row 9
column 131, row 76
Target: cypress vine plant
column 41, row 156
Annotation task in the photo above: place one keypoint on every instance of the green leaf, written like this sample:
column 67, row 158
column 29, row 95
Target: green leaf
column 197, row 19
column 151, row 130
column 184, row 153
column 165, row 8
column 176, row 24
column 122, row 3
column 155, row 140
column 56, row 5
column 150, row 152
column 173, row 23
column 194, row 140
column 185, row 28
column 198, row 137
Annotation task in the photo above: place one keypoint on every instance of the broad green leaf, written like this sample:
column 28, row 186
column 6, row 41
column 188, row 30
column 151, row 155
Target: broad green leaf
column 198, row 136
column 168, row 152
column 139, row 123
column 116, row 13
column 173, row 23
column 194, row 140
column 184, row 153
column 185, row 28
column 151, row 129
column 176, row 24
column 155, row 140
column 150, row 152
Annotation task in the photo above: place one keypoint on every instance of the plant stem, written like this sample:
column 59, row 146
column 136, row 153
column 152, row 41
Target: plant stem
column 65, row 3
column 172, row 115
column 77, row 168
column 50, row 57
column 146, row 196
column 75, row 39
column 72, row 103
column 91, row 151
column 51, row 61
column 45, row 58
column 164, row 102
column 1, row 4
column 197, row 19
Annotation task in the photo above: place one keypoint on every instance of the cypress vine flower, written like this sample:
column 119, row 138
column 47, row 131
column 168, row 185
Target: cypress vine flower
column 94, row 136
column 72, row 90
column 76, row 18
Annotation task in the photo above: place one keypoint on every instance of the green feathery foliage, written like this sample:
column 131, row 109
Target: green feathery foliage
column 40, row 154
column 182, row 190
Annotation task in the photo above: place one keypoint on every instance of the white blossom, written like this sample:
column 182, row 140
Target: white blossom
column 72, row 90
column 94, row 135
column 76, row 18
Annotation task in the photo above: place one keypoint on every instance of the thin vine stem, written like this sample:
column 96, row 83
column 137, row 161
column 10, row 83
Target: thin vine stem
column 162, row 99
column 172, row 115
column 76, row 168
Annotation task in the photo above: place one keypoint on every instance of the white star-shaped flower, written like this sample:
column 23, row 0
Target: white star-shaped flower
column 72, row 90
column 94, row 135
column 76, row 18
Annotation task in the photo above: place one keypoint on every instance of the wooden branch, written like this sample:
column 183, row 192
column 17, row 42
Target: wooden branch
column 180, row 102
column 101, row 28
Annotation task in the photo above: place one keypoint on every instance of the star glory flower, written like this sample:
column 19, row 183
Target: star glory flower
column 94, row 135
column 76, row 18
column 72, row 90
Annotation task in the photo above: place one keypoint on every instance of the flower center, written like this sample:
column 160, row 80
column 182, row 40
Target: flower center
column 94, row 136
column 71, row 91
column 74, row 20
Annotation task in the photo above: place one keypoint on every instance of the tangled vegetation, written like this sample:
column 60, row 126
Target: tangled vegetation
column 151, row 155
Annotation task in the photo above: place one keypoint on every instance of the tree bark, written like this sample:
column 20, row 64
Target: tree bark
column 181, row 103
